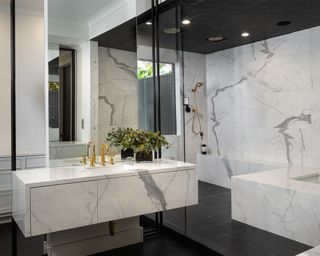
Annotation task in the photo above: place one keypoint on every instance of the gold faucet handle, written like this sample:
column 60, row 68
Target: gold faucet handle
column 94, row 157
column 92, row 161
column 104, row 149
column 103, row 160
column 84, row 160
column 111, row 160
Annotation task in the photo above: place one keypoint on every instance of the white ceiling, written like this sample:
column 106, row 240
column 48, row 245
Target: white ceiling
column 79, row 11
column 68, row 20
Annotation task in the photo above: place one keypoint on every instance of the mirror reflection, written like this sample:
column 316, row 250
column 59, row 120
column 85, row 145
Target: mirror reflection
column 92, row 84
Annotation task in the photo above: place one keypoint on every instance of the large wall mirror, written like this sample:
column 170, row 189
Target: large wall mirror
column 93, row 86
column 112, row 79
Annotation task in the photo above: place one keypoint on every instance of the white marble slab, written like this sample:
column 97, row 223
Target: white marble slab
column 55, row 199
column 279, row 204
column 218, row 170
column 151, row 193
column 61, row 175
column 65, row 206
column 263, row 100
column 118, row 91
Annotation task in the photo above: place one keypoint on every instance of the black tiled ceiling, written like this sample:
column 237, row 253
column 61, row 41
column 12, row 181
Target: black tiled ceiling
column 226, row 18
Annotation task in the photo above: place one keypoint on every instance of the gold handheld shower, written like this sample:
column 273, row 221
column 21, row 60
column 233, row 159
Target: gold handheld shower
column 196, row 115
column 198, row 85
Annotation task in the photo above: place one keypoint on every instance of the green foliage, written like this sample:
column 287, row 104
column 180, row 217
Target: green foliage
column 144, row 141
column 115, row 137
column 144, row 73
column 138, row 140
column 54, row 86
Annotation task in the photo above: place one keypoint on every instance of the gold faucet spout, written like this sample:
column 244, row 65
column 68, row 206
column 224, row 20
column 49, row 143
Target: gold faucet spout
column 91, row 152
column 104, row 151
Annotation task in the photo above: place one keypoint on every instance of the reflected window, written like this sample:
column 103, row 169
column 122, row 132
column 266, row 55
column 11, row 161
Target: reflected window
column 167, row 97
column 62, row 94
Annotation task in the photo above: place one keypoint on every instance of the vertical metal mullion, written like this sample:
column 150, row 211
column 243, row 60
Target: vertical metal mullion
column 154, row 66
column 180, row 46
column 158, row 74
column 13, row 87
column 183, row 85
column 13, row 115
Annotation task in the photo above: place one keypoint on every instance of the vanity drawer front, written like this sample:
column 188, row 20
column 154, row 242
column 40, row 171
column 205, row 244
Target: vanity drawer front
column 132, row 196
column 59, row 207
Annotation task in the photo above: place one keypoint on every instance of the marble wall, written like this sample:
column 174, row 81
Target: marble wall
column 195, row 71
column 263, row 100
column 118, row 90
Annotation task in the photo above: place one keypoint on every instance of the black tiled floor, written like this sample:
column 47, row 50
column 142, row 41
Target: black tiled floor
column 166, row 244
column 163, row 245
column 32, row 246
column 210, row 223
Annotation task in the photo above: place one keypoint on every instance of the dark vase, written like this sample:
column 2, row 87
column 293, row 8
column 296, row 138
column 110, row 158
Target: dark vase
column 125, row 153
column 144, row 156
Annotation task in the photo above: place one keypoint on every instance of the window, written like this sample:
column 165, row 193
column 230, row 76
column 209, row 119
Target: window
column 167, row 97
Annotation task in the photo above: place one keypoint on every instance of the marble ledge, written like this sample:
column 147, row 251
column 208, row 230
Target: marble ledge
column 282, row 178
column 70, row 174
column 277, row 203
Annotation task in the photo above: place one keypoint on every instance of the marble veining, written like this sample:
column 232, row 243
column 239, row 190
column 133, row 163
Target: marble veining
column 276, row 203
column 111, row 105
column 262, row 101
column 121, row 65
column 118, row 91
column 152, row 189
column 283, row 128
column 153, row 192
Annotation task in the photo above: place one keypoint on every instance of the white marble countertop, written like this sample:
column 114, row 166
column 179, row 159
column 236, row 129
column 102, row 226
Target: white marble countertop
column 281, row 178
column 69, row 174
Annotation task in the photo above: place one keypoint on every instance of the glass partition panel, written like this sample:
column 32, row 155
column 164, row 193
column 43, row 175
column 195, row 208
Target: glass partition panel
column 171, row 79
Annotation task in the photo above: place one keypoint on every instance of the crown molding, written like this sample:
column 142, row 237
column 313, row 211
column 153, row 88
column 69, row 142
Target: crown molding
column 116, row 13
column 108, row 10
column 67, row 31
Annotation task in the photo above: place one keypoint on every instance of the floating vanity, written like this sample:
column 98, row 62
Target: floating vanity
column 57, row 199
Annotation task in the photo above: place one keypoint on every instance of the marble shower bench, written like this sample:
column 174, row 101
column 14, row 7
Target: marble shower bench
column 279, row 203
column 56, row 201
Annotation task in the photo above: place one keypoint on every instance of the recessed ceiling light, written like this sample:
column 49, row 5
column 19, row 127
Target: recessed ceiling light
column 284, row 23
column 216, row 38
column 171, row 30
column 245, row 34
column 186, row 22
column 149, row 23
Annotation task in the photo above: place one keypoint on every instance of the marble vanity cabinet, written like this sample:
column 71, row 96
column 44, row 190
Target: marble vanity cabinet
column 56, row 199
